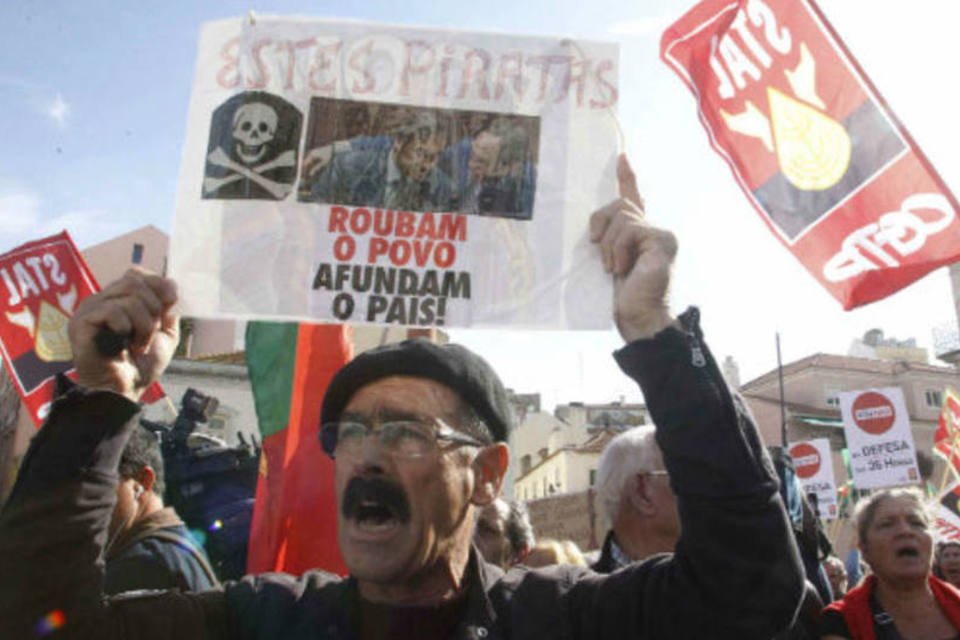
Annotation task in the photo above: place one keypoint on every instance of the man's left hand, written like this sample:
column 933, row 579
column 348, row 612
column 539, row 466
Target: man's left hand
column 640, row 257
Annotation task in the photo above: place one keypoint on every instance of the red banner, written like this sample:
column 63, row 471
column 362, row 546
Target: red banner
column 946, row 442
column 814, row 146
column 947, row 521
column 41, row 283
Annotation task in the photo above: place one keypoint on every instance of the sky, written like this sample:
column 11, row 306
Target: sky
column 93, row 105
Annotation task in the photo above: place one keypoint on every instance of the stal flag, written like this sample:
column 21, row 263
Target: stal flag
column 294, row 524
column 42, row 282
column 819, row 154
column 948, row 431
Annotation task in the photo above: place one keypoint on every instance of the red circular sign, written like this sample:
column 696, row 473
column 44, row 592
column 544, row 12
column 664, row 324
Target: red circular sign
column 806, row 460
column 873, row 412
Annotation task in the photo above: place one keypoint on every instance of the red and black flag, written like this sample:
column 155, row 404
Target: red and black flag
column 946, row 440
column 947, row 520
column 41, row 283
column 813, row 145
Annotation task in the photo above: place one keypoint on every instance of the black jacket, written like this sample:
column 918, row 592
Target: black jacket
column 159, row 558
column 735, row 574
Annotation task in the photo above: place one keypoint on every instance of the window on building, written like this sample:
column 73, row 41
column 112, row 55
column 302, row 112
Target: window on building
column 934, row 398
column 525, row 464
column 833, row 397
column 593, row 477
column 137, row 256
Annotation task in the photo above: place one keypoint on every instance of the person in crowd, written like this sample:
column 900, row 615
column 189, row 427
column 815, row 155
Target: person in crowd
column 504, row 534
column 493, row 171
column 856, row 569
column 548, row 552
column 947, row 561
column 573, row 554
column 900, row 598
column 148, row 545
column 400, row 174
column 545, row 553
column 634, row 496
column 417, row 432
column 837, row 575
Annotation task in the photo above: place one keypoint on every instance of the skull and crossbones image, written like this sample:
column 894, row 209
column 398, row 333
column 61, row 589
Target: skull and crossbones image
column 254, row 129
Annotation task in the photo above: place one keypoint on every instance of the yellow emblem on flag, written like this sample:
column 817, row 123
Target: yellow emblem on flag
column 52, row 343
column 813, row 149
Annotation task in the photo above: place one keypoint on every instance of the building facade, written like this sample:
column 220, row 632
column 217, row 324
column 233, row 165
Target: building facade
column 569, row 469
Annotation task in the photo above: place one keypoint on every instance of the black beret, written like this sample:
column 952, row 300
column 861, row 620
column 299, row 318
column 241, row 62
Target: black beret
column 452, row 365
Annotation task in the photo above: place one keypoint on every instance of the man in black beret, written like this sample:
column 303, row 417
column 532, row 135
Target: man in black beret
column 417, row 431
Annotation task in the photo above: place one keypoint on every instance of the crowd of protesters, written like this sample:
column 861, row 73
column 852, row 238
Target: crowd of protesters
column 417, row 432
column 909, row 587
column 709, row 534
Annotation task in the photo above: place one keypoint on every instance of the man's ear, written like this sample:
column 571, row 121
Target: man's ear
column 640, row 496
column 489, row 468
column 146, row 477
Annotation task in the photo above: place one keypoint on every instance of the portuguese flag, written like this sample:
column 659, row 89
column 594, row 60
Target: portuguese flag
column 294, row 524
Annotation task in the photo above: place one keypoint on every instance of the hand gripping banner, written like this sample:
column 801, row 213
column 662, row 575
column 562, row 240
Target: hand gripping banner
column 815, row 148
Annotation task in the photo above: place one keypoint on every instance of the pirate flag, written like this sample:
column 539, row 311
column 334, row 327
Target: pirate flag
column 252, row 151
column 818, row 153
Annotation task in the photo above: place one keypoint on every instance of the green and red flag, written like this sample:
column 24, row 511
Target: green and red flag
column 294, row 524
column 815, row 148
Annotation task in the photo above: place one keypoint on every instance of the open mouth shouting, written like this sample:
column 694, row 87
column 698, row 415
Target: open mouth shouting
column 374, row 506
column 907, row 551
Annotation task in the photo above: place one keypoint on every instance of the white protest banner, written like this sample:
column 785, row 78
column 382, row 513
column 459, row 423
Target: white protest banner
column 877, row 428
column 364, row 173
column 814, row 467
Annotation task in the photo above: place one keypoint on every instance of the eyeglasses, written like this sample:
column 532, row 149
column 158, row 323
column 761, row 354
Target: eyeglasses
column 401, row 438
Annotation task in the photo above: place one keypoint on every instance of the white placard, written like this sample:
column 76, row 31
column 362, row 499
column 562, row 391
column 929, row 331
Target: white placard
column 813, row 465
column 356, row 172
column 877, row 427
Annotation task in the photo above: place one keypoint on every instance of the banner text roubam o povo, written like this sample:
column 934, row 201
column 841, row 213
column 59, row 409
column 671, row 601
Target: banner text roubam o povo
column 392, row 175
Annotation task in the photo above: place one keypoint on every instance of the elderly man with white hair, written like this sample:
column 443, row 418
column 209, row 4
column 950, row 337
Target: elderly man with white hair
column 634, row 495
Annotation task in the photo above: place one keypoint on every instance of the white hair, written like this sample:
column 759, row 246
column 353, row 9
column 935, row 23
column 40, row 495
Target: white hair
column 630, row 453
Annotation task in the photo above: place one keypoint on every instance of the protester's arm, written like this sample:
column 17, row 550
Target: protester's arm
column 53, row 528
column 736, row 571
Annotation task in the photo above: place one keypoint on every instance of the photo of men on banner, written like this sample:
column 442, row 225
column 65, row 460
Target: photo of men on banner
column 420, row 159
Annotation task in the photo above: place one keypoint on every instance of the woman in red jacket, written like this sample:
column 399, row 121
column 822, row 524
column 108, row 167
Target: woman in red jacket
column 901, row 600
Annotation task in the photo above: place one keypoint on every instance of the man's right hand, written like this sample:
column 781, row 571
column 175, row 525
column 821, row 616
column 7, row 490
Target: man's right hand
column 316, row 160
column 138, row 305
